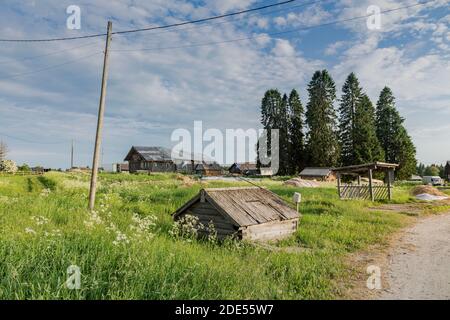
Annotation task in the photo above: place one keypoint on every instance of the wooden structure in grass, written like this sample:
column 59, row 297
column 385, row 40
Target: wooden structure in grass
column 249, row 213
column 366, row 191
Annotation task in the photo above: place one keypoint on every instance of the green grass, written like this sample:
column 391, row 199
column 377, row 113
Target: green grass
column 45, row 228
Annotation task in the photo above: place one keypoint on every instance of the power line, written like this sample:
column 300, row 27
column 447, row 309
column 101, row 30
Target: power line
column 50, row 67
column 273, row 33
column 29, row 141
column 52, row 53
column 155, row 27
column 238, row 19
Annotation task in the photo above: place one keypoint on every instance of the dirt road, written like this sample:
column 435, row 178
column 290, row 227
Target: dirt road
column 420, row 264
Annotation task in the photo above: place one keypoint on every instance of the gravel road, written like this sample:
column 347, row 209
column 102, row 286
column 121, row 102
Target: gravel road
column 420, row 264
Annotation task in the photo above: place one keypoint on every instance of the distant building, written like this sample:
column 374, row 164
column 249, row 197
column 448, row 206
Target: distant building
column 150, row 159
column 415, row 178
column 319, row 174
column 208, row 169
column 447, row 171
column 266, row 171
column 246, row 168
column 120, row 167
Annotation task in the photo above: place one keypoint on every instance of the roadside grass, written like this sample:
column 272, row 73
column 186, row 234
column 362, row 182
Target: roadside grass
column 45, row 227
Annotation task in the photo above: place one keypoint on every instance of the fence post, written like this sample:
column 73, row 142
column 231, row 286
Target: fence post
column 389, row 173
column 372, row 197
column 339, row 184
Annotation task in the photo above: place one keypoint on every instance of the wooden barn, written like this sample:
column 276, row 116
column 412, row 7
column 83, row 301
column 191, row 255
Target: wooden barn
column 208, row 169
column 319, row 174
column 246, row 168
column 249, row 213
column 150, row 159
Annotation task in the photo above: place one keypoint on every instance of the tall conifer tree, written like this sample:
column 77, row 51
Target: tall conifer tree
column 322, row 143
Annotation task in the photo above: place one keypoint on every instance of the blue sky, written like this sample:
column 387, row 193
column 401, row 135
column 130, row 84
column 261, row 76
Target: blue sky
column 151, row 93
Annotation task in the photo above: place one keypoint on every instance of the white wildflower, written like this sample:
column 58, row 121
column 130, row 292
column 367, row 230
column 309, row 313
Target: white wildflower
column 29, row 230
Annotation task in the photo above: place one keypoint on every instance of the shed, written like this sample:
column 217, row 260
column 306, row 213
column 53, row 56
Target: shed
column 246, row 168
column 250, row 213
column 320, row 174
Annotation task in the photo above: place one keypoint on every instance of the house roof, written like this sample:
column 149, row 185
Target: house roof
column 150, row 153
column 362, row 168
column 316, row 172
column 208, row 166
column 245, row 206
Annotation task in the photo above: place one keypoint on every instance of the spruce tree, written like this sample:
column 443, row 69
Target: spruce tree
column 351, row 95
column 322, row 145
column 367, row 148
column 271, row 105
column 394, row 138
column 281, row 123
column 296, row 136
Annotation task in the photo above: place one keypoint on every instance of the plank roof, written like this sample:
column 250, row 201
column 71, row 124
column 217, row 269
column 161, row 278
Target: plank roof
column 245, row 206
column 316, row 172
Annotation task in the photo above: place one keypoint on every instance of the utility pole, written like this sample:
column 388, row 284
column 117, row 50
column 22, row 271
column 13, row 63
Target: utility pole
column 101, row 112
column 71, row 157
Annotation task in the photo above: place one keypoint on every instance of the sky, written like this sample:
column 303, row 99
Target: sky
column 163, row 80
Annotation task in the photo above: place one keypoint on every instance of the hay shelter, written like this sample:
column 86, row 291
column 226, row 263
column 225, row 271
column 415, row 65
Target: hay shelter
column 249, row 213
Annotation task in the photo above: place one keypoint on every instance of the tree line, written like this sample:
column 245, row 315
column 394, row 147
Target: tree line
column 322, row 135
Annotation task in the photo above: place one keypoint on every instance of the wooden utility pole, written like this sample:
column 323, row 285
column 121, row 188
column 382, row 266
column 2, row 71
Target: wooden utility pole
column 71, row 156
column 101, row 112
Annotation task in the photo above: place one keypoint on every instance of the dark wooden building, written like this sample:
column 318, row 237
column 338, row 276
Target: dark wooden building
column 208, row 169
column 150, row 159
column 246, row 168
column 249, row 213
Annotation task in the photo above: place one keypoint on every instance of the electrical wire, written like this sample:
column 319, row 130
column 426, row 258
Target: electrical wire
column 50, row 67
column 52, row 53
column 272, row 33
column 155, row 27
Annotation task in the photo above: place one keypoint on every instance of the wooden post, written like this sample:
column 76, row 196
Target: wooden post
column 101, row 112
column 389, row 183
column 71, row 156
column 370, row 186
column 339, row 184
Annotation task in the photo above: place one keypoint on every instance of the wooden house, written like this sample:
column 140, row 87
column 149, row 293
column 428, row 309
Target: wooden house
column 150, row 159
column 447, row 171
column 208, row 169
column 319, row 174
column 249, row 213
column 246, row 168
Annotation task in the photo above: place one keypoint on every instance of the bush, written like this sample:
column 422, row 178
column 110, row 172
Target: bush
column 24, row 168
column 8, row 166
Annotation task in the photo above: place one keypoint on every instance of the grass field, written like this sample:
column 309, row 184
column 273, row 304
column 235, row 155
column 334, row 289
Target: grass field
column 125, row 249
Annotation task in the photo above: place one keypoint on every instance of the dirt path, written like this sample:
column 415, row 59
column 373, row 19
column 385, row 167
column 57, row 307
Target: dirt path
column 419, row 265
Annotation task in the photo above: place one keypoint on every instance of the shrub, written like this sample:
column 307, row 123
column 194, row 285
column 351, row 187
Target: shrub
column 8, row 166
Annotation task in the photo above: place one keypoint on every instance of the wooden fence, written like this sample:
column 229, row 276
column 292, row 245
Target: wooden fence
column 21, row 173
column 363, row 192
